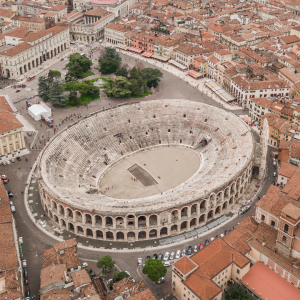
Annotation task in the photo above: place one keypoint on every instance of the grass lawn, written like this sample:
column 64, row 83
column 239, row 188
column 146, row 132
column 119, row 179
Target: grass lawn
column 144, row 95
column 87, row 99
column 86, row 74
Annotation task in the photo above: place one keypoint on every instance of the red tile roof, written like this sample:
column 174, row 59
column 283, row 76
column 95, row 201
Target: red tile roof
column 8, row 121
column 185, row 265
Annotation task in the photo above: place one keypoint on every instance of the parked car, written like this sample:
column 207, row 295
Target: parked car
column 178, row 253
column 154, row 256
column 43, row 224
column 161, row 280
column 160, row 256
column 90, row 270
column 10, row 194
column 172, row 255
column 139, row 261
column 12, row 160
column 166, row 257
column 212, row 238
column 201, row 246
column 19, row 158
column 190, row 250
column 13, row 209
column 62, row 59
column 166, row 263
column 206, row 242
column 26, row 281
column 183, row 252
column 147, row 258
column 195, row 248
column 93, row 275
column 24, row 263
column 17, row 91
column 274, row 174
column 85, row 265
column 274, row 163
column 11, row 203
column 4, row 163
column 27, row 293
column 25, row 272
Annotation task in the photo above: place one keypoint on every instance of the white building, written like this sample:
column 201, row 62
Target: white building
column 37, row 110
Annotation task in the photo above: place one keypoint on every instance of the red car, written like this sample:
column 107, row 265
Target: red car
column 201, row 246
column 26, row 281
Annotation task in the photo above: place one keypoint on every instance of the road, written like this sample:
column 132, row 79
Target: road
column 35, row 242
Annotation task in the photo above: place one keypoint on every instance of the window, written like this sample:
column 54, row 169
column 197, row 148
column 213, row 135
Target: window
column 272, row 223
column 284, row 239
column 262, row 217
column 286, row 228
column 238, row 271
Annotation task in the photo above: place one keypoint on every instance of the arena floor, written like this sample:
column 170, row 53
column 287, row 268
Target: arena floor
column 150, row 172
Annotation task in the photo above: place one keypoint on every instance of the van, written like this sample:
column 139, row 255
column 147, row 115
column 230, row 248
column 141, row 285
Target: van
column 161, row 280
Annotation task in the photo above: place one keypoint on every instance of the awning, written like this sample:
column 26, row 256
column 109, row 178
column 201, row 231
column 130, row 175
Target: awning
column 147, row 54
column 159, row 57
column 218, row 90
column 177, row 64
column 123, row 47
column 195, row 74
column 134, row 49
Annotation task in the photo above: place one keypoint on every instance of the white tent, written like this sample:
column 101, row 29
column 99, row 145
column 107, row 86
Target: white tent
column 37, row 110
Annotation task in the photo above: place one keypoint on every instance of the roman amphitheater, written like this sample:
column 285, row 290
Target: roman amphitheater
column 145, row 170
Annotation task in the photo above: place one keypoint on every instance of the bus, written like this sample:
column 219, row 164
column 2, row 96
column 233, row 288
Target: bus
column 30, row 78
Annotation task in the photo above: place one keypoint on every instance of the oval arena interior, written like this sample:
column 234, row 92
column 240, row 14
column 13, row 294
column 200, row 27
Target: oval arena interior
column 145, row 170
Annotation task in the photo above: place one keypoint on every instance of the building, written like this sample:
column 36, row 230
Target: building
column 30, row 23
column 12, row 142
column 114, row 33
column 164, row 46
column 289, row 151
column 205, row 275
column 186, row 52
column 7, row 15
column 285, row 173
column 290, row 78
column 30, row 49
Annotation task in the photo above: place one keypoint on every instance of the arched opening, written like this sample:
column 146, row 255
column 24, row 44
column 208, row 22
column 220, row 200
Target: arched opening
column 174, row 229
column 98, row 220
column 109, row 235
column 231, row 200
column 61, row 210
column 88, row 219
column 21, row 71
column 142, row 221
column 99, row 234
column 119, row 222
column 164, row 231
column 183, row 225
column 219, row 196
column 142, row 235
column 193, row 223
column 194, row 209
column 174, row 215
column 62, row 48
column 218, row 210
column 54, row 205
column 79, row 230
column 153, row 233
column 210, row 215
column 130, row 236
column 78, row 216
column 232, row 188
column 70, row 213
column 71, row 227
column 203, row 204
column 226, row 194
column 184, row 212
column 131, row 221
column 89, row 232
column 202, row 218
column 32, row 63
column 120, row 235
column 55, row 219
column 153, row 220
column 225, row 205
column 63, row 224
column 108, row 221
column 37, row 62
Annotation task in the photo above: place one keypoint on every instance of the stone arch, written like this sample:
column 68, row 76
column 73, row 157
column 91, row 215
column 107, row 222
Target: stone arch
column 78, row 216
column 194, row 209
column 89, row 232
column 21, row 71
column 203, row 204
column 79, row 230
column 184, row 212
column 58, row 51
column 202, row 218
column 164, row 231
column 37, row 61
column 183, row 225
column 69, row 213
column 231, row 200
column 153, row 220
column 130, row 220
column 98, row 220
column 120, row 235
column 193, row 222
column 71, row 227
column 131, row 236
column 88, row 219
column 54, row 205
column 109, row 235
column 174, row 228
column 141, row 221
column 210, row 215
column 233, row 187
column 61, row 48
column 142, row 235
column 174, row 214
column 153, row 233
column 99, row 234
column 61, row 210
column 63, row 223
column 32, row 63
column 225, row 205
column 120, row 223
column 212, row 197
column 219, row 196
column 218, row 210
column 29, row 67
column 108, row 221
column 56, row 218
column 227, row 192
column 238, row 182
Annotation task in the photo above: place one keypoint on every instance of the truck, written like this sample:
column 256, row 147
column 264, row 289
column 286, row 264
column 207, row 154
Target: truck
column 47, row 120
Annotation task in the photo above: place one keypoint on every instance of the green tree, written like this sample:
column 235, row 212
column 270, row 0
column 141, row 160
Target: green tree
column 71, row 76
column 54, row 73
column 112, row 53
column 119, row 88
column 122, row 71
column 79, row 64
column 155, row 269
column 106, row 263
column 109, row 65
column 73, row 99
column 120, row 276
column 142, row 85
column 134, row 87
column 237, row 293
column 134, row 74
column 56, row 93
column 151, row 76
column 43, row 87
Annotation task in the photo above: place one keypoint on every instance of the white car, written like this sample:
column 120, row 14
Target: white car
column 195, row 248
column 85, row 264
column 161, row 280
column 212, row 238
column 166, row 263
column 43, row 224
column 13, row 209
column 20, row 240
column 12, row 160
column 178, row 253
column 24, row 263
column 274, row 174
column 274, row 163
column 172, row 255
column 140, row 261
column 166, row 257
